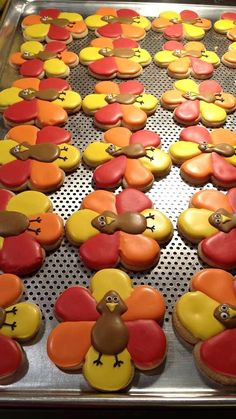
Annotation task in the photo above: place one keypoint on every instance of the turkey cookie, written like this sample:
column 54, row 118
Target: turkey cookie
column 206, row 318
column 20, row 321
column 43, row 102
column 36, row 60
column 105, row 60
column 229, row 58
column 131, row 159
column 226, row 25
column 120, row 104
column 205, row 156
column 115, row 326
column 118, row 228
column 27, row 229
column 191, row 59
column 184, row 25
column 34, row 159
column 121, row 23
column 54, row 25
column 211, row 222
column 205, row 102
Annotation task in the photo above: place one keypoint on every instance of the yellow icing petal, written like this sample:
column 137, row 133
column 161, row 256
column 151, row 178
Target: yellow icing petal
column 162, row 226
column 71, row 100
column 142, row 56
column 95, row 21
column 195, row 311
column 9, row 96
column 150, row 102
column 186, row 85
column 72, row 17
column 93, row 102
column 104, row 280
column 72, row 155
column 160, row 162
column 55, row 67
column 5, row 147
column 90, row 54
column 33, row 47
column 232, row 46
column 108, row 378
column 192, row 31
column 79, row 228
column 142, row 22
column 212, row 113
column 183, row 150
column 38, row 31
column 26, row 320
column 29, row 203
column 224, row 25
column 1, row 242
column 210, row 57
column 96, row 154
column 194, row 224
column 169, row 15
column 232, row 160
column 164, row 57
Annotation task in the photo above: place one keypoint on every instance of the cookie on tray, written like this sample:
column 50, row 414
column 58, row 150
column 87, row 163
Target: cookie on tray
column 229, row 58
column 226, row 25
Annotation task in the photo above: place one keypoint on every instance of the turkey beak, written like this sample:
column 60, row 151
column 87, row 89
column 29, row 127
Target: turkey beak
column 111, row 306
column 232, row 312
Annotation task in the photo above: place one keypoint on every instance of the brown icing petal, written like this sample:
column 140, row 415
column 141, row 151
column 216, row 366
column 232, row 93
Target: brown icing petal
column 58, row 22
column 123, row 99
column 217, row 220
column 129, row 222
column 46, row 55
column 226, row 314
column 12, row 223
column 207, row 97
column 132, row 151
column 117, row 52
column 46, row 94
column 190, row 53
column 45, row 152
column 122, row 19
column 225, row 150
column 2, row 316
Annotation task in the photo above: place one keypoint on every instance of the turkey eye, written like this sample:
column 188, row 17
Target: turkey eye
column 108, row 299
column 224, row 316
column 115, row 299
column 224, row 307
column 111, row 149
column 217, row 218
column 17, row 149
column 102, row 221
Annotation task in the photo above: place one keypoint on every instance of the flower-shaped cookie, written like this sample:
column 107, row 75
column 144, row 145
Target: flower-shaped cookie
column 54, row 25
column 131, row 159
column 18, row 321
column 121, row 58
column 206, row 156
column 120, row 104
column 34, row 159
column 206, row 318
column 205, row 102
column 211, row 222
column 182, row 61
column 118, row 228
column 226, row 25
column 43, row 102
column 184, row 25
column 229, row 58
column 37, row 60
column 27, row 229
column 121, row 23
column 109, row 329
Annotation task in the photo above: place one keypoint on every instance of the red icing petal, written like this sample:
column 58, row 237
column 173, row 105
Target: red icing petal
column 112, row 30
column 195, row 134
column 125, row 43
column 231, row 194
column 110, row 174
column 174, row 31
column 223, row 171
column 220, row 249
column 132, row 200
column 55, row 46
column 54, row 135
column 188, row 112
column 218, row 353
column 105, row 66
column 54, row 83
column 76, row 304
column 22, row 112
column 201, row 68
column 146, row 138
column 133, row 87
column 109, row 115
column 21, row 254
column 188, row 15
column 32, row 68
column 5, row 197
column 15, row 174
column 50, row 12
column 58, row 33
column 209, row 86
column 127, row 13
column 101, row 251
column 147, row 343
column 228, row 15
column 11, row 356
column 172, row 45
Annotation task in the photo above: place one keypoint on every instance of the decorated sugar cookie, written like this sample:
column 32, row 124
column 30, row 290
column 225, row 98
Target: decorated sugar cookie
column 108, row 330
column 121, row 58
column 184, row 25
column 211, row 222
column 226, row 25
column 131, row 159
column 36, row 159
column 205, row 156
column 205, row 102
column 27, row 228
column 229, row 58
column 19, row 321
column 54, row 25
column 191, row 59
column 43, row 102
column 124, row 104
column 206, row 318
column 121, row 23
column 118, row 228
column 37, row 60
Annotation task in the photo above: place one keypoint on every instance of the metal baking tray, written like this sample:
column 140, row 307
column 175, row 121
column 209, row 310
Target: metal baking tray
column 178, row 381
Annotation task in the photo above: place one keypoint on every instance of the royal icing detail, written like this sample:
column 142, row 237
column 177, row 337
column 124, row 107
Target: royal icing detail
column 229, row 58
column 109, row 321
column 211, row 222
column 226, row 25
column 134, row 160
column 118, row 228
column 27, row 227
column 205, row 102
column 207, row 315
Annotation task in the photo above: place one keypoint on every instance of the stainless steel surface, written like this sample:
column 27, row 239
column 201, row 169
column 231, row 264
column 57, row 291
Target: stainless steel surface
column 178, row 382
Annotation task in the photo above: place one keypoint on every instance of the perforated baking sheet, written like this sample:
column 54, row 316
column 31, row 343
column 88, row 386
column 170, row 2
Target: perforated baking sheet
column 178, row 381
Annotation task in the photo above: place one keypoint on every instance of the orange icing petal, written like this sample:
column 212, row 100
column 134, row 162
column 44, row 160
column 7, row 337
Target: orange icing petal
column 161, row 23
column 180, row 66
column 50, row 113
column 17, row 59
column 106, row 11
column 203, row 23
column 133, row 117
column 100, row 201
column 138, row 251
column 68, row 343
column 11, row 289
column 132, row 32
column 217, row 284
column 22, row 133
column 128, row 67
column 31, row 20
column 211, row 199
column 49, row 230
column 102, row 43
column 45, row 176
column 136, row 175
column 194, row 46
column 77, row 27
column 28, row 82
column 68, row 57
column 223, row 135
column 107, row 87
column 145, row 303
column 198, row 168
column 228, row 103
column 119, row 136
column 172, row 97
